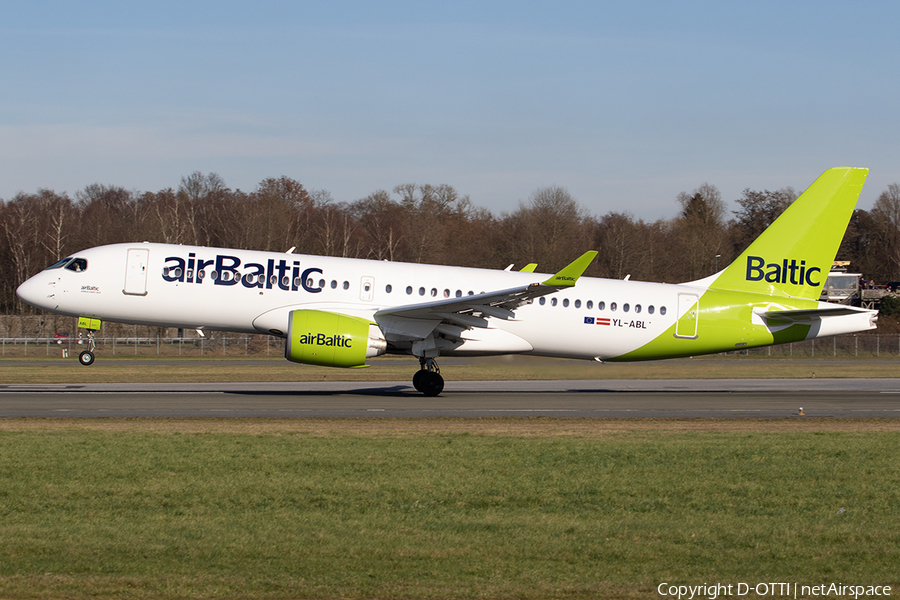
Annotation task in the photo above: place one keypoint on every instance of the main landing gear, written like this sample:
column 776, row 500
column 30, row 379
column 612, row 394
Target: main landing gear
column 87, row 357
column 428, row 378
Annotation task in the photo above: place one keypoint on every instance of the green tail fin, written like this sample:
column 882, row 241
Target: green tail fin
column 793, row 256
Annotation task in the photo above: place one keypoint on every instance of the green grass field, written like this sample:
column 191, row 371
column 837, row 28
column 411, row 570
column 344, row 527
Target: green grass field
column 483, row 508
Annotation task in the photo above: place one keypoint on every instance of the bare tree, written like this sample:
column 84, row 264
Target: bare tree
column 886, row 216
column 758, row 211
column 700, row 231
column 381, row 219
column 550, row 229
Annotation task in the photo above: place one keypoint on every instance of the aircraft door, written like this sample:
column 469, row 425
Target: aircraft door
column 689, row 319
column 136, row 272
column 367, row 289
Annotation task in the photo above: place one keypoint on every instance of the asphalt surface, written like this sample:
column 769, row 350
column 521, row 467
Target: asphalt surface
column 682, row 398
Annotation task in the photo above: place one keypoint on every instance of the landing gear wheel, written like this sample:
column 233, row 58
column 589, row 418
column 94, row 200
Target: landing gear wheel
column 86, row 358
column 428, row 379
column 417, row 380
column 430, row 383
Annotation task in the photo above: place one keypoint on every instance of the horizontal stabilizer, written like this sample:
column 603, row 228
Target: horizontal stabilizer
column 810, row 314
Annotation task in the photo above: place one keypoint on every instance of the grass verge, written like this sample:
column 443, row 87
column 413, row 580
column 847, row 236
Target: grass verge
column 481, row 508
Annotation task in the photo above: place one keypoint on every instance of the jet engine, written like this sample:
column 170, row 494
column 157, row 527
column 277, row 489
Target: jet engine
column 317, row 337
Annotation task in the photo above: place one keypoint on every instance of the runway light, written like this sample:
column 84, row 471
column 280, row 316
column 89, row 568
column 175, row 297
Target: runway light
column 801, row 413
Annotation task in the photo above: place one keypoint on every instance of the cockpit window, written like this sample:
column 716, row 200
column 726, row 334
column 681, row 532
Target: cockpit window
column 78, row 265
column 59, row 264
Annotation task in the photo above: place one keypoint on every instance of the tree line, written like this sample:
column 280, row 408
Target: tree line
column 419, row 223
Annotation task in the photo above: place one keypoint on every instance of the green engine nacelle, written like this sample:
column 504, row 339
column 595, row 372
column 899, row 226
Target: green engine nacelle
column 317, row 337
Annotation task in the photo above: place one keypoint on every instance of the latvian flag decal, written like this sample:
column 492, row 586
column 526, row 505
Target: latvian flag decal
column 592, row 321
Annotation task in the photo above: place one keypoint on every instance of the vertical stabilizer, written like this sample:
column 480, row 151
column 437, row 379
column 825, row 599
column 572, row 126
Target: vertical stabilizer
column 793, row 256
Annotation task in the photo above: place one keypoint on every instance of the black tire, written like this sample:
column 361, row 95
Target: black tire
column 417, row 380
column 86, row 358
column 432, row 383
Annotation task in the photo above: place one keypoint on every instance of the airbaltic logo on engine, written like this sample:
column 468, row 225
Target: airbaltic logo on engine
column 226, row 271
column 320, row 339
column 787, row 271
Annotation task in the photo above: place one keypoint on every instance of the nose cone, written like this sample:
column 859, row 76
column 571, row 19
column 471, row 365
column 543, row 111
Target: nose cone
column 36, row 292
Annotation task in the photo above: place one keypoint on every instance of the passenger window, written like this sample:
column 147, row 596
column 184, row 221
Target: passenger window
column 409, row 290
column 433, row 292
column 552, row 301
column 333, row 284
column 626, row 307
column 421, row 291
column 589, row 305
column 637, row 308
column 662, row 310
column 566, row 302
column 650, row 309
column 578, row 304
column 542, row 301
column 601, row 305
column 613, row 306
column 446, row 293
column 388, row 288
column 347, row 285
column 459, row 293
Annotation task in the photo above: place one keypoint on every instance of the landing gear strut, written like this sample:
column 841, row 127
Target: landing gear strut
column 87, row 357
column 428, row 378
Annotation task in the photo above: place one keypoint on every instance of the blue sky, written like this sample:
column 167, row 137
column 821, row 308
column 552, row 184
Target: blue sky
column 623, row 104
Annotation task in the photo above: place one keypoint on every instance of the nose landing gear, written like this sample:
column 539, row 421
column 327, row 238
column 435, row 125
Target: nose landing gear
column 428, row 378
column 87, row 357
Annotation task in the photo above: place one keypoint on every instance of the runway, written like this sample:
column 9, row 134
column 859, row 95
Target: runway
column 682, row 398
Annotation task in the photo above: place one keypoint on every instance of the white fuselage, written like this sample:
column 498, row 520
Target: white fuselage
column 255, row 292
column 257, row 295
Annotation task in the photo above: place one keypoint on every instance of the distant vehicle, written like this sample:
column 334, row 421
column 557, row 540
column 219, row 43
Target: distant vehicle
column 841, row 287
column 62, row 336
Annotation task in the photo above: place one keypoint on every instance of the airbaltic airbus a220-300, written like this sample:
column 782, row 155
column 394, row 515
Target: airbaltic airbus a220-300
column 339, row 311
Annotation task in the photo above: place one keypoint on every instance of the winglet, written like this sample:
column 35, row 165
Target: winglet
column 570, row 274
column 529, row 268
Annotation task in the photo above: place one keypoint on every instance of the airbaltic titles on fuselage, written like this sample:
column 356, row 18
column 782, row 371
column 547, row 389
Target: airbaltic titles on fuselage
column 230, row 270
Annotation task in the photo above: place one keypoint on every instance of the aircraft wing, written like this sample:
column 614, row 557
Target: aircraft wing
column 452, row 316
